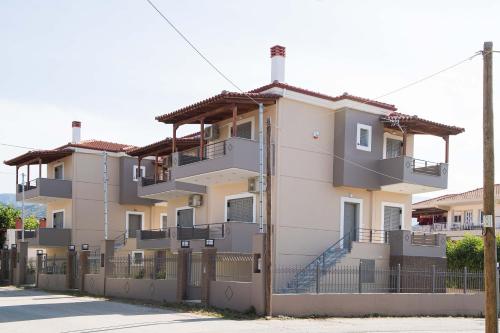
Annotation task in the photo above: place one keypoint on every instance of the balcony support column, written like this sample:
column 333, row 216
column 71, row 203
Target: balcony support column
column 447, row 148
column 28, row 180
column 202, row 137
column 138, row 171
column 39, row 168
column 174, row 138
column 17, row 177
column 235, row 116
column 156, row 168
column 404, row 142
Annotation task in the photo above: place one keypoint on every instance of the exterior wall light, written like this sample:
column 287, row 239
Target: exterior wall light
column 5, row 247
column 209, row 242
column 85, row 247
column 13, row 246
column 39, row 252
column 185, row 244
column 71, row 248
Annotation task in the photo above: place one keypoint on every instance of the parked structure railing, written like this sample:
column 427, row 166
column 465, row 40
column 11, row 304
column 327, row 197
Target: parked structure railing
column 234, row 267
column 366, row 279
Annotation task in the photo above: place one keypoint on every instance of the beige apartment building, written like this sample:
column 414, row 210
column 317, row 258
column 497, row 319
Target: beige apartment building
column 70, row 181
column 454, row 214
column 342, row 168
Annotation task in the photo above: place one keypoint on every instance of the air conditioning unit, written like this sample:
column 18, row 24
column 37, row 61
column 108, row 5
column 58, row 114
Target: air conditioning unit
column 167, row 161
column 253, row 184
column 195, row 200
column 212, row 132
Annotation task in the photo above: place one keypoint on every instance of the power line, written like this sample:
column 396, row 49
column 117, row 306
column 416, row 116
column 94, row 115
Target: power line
column 199, row 52
column 429, row 76
column 16, row 146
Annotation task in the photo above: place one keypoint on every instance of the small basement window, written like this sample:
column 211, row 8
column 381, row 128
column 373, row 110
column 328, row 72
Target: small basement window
column 364, row 137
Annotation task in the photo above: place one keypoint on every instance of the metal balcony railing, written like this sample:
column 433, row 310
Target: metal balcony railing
column 426, row 167
column 31, row 185
column 155, row 234
column 201, row 231
column 210, row 151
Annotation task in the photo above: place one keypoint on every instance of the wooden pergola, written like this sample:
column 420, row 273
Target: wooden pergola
column 36, row 157
column 214, row 109
column 415, row 125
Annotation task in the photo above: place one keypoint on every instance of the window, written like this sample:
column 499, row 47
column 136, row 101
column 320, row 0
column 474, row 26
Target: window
column 364, row 137
column 240, row 208
column 393, row 148
column 138, row 258
column 457, row 218
column 59, row 171
column 58, row 219
column 481, row 216
column 134, row 223
column 468, row 217
column 143, row 172
column 393, row 217
column 185, row 217
column 163, row 222
column 244, row 129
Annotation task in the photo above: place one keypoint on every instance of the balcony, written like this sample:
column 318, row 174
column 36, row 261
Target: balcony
column 232, row 160
column 165, row 190
column 153, row 239
column 46, row 237
column 405, row 174
column 45, row 190
column 227, row 236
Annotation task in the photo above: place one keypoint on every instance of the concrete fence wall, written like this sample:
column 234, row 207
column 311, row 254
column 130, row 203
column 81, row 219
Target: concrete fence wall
column 355, row 305
column 55, row 282
column 231, row 295
column 94, row 284
column 145, row 289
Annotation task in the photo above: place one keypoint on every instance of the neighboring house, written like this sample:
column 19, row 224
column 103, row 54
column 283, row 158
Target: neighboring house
column 73, row 190
column 342, row 168
column 454, row 214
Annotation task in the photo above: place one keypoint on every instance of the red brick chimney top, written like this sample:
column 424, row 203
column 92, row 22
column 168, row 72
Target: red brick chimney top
column 76, row 124
column 277, row 50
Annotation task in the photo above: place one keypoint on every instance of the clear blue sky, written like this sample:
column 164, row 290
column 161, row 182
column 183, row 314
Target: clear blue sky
column 115, row 65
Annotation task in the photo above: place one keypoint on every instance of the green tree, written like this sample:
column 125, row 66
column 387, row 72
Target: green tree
column 467, row 252
column 30, row 223
column 8, row 215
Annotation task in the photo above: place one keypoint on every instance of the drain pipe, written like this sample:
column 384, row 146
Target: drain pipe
column 261, row 168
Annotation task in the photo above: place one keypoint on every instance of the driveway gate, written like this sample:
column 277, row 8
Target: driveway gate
column 194, row 277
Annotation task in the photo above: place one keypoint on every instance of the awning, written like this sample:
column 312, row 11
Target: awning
column 416, row 125
column 39, row 156
column 163, row 147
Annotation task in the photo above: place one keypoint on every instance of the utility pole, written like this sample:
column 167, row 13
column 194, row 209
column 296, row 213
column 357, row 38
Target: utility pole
column 261, row 167
column 268, row 251
column 22, row 205
column 490, row 253
column 105, row 182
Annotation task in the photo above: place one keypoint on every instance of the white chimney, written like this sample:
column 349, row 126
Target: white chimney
column 278, row 63
column 76, row 126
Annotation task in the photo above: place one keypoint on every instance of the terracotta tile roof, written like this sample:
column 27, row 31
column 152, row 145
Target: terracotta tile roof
column 224, row 98
column 100, row 145
column 400, row 118
column 45, row 156
column 162, row 147
column 472, row 195
column 320, row 95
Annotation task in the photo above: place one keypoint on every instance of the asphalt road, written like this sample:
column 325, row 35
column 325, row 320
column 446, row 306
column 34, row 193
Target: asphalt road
column 38, row 312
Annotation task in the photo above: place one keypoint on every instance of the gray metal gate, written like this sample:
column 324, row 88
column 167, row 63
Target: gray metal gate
column 30, row 271
column 194, row 277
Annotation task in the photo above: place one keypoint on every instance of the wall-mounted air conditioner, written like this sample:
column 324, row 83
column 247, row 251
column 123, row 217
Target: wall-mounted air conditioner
column 253, row 184
column 212, row 132
column 195, row 200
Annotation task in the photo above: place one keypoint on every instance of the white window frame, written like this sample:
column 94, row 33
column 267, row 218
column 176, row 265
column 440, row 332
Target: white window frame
column 183, row 208
column 133, row 257
column 127, row 214
column 58, row 211
column 54, row 169
column 134, row 170
column 359, row 201
column 161, row 220
column 390, row 136
column 391, row 204
column 243, row 121
column 358, row 137
column 241, row 196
